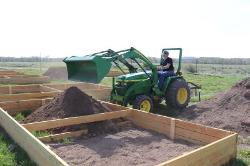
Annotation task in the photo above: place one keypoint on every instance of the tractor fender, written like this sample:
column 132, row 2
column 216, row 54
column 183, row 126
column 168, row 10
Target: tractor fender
column 168, row 81
column 140, row 88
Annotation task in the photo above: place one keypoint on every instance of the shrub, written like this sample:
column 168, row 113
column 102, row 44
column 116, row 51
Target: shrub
column 190, row 68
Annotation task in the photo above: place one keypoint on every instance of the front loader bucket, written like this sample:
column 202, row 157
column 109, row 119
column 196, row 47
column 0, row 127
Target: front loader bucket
column 87, row 68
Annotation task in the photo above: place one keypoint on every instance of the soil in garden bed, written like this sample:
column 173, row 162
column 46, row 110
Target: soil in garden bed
column 229, row 110
column 71, row 103
column 130, row 146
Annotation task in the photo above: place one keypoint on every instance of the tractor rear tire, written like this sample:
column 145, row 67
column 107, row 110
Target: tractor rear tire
column 143, row 103
column 178, row 94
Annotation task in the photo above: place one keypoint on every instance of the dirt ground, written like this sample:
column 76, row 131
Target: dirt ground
column 229, row 110
column 57, row 73
column 131, row 146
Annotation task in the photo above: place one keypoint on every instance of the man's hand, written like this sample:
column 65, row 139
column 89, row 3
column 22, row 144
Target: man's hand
column 166, row 67
column 163, row 67
column 159, row 68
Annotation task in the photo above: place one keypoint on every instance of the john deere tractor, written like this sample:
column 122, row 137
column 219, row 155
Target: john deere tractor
column 138, row 86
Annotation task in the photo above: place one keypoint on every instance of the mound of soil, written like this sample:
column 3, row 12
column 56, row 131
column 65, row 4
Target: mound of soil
column 57, row 73
column 72, row 102
column 229, row 110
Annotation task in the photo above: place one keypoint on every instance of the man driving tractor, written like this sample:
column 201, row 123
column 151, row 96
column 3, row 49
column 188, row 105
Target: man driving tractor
column 140, row 87
column 165, row 69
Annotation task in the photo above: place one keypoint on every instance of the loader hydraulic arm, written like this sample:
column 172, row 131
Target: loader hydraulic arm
column 94, row 67
column 134, row 55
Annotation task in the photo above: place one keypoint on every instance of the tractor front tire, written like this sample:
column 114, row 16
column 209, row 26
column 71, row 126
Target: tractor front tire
column 143, row 103
column 178, row 94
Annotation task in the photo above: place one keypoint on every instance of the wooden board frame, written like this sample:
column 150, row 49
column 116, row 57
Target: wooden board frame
column 218, row 146
column 36, row 150
column 43, row 91
column 24, row 79
column 14, row 77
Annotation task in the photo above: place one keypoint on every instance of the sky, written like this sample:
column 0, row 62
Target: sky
column 61, row 28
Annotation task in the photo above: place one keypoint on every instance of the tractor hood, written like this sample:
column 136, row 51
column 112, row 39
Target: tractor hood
column 133, row 77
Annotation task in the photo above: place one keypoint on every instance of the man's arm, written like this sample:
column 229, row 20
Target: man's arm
column 166, row 66
column 162, row 67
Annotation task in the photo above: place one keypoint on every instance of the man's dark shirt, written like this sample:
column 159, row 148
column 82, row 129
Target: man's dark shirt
column 165, row 62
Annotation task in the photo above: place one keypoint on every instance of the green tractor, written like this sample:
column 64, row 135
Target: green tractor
column 139, row 84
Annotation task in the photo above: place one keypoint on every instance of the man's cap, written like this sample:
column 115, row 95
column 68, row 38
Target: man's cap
column 165, row 52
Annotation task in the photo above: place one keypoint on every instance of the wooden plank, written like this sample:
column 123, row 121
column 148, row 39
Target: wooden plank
column 149, row 117
column 150, row 121
column 81, row 85
column 74, row 134
column 213, row 154
column 91, row 86
column 19, row 89
column 24, row 80
column 11, row 75
column 49, row 89
column 194, row 141
column 10, row 89
column 75, row 120
column 61, row 136
column 25, row 96
column 125, row 123
column 56, row 86
column 190, row 135
column 36, row 150
column 101, row 94
column 172, row 129
column 9, row 72
column 162, row 124
column 4, row 90
column 25, row 89
column 158, row 127
column 14, row 107
column 113, row 107
column 113, row 73
column 218, row 133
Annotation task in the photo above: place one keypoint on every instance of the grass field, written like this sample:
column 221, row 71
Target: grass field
column 212, row 83
column 215, row 69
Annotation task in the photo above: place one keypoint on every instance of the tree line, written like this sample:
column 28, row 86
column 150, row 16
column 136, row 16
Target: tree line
column 30, row 59
column 201, row 60
column 209, row 60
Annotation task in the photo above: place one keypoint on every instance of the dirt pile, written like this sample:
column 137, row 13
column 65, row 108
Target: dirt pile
column 229, row 110
column 72, row 102
column 57, row 73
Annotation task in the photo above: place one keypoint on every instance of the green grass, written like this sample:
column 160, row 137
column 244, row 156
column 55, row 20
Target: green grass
column 211, row 85
column 15, row 157
column 244, row 155
column 19, row 117
column 243, row 159
column 107, row 81
column 67, row 140
column 40, row 133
